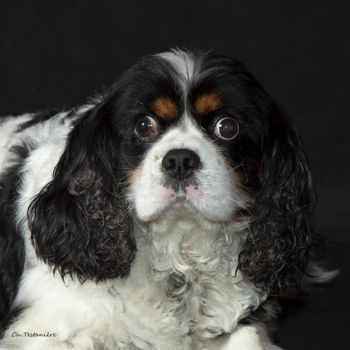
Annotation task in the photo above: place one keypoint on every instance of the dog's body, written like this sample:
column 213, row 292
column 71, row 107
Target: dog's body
column 155, row 217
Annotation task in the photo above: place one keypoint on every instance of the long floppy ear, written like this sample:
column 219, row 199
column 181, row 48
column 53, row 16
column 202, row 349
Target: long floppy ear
column 275, row 255
column 79, row 222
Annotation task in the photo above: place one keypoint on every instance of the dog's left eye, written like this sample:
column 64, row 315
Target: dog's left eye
column 146, row 127
column 226, row 128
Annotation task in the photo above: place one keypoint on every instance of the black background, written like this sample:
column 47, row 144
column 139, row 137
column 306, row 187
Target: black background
column 57, row 53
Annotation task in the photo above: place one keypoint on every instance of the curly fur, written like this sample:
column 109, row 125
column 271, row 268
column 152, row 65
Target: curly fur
column 276, row 252
column 79, row 222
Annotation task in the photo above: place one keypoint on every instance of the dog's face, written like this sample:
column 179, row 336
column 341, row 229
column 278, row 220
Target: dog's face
column 186, row 165
column 188, row 126
column 180, row 130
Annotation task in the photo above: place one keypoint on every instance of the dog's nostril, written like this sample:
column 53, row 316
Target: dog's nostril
column 169, row 163
column 190, row 163
column 180, row 163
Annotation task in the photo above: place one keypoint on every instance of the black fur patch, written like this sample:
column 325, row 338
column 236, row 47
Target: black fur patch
column 79, row 221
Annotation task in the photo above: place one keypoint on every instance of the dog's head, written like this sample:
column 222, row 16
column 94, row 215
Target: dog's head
column 185, row 130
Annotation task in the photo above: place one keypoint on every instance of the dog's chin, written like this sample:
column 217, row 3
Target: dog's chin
column 186, row 205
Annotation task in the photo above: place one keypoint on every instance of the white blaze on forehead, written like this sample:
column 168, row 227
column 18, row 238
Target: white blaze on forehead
column 183, row 63
column 214, row 192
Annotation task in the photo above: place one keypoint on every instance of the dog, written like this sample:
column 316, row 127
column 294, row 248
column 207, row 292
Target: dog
column 169, row 212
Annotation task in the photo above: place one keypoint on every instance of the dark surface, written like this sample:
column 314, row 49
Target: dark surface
column 55, row 54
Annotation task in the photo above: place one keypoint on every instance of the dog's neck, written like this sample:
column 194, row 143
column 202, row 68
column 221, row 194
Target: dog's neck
column 194, row 264
column 182, row 241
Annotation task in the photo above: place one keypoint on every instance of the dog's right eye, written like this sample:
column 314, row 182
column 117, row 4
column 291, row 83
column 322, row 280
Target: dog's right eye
column 146, row 128
column 226, row 128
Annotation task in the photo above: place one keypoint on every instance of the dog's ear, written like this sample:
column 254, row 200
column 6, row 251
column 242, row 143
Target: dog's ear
column 275, row 255
column 79, row 222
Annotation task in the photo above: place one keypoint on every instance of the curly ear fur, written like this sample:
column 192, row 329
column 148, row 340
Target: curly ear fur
column 79, row 221
column 276, row 252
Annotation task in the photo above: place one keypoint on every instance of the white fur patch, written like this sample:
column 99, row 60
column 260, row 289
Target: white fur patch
column 249, row 338
column 8, row 127
column 184, row 64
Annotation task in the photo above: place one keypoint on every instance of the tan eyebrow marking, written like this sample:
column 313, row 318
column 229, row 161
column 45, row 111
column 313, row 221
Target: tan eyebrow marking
column 208, row 102
column 164, row 107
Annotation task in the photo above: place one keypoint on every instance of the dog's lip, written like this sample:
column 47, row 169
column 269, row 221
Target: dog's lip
column 177, row 197
column 180, row 195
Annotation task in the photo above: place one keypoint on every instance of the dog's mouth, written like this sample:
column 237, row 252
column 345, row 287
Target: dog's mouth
column 181, row 198
column 185, row 190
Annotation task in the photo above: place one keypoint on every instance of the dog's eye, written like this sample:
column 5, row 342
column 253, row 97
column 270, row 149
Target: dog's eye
column 226, row 128
column 146, row 127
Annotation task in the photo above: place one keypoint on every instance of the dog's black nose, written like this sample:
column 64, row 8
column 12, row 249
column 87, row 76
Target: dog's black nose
column 180, row 163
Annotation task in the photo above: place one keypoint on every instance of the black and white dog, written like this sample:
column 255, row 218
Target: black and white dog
column 165, row 214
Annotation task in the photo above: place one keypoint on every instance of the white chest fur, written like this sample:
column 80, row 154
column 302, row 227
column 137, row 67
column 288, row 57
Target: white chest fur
column 188, row 267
